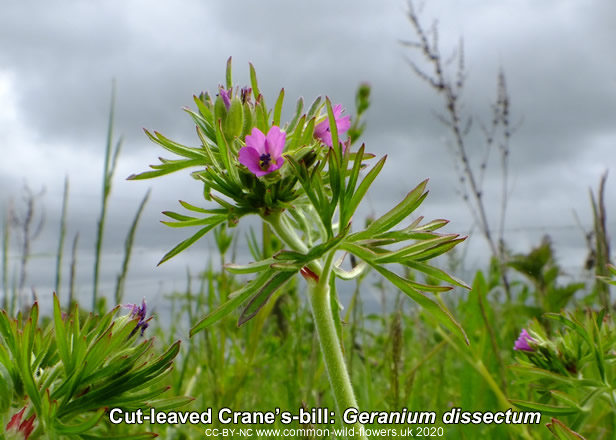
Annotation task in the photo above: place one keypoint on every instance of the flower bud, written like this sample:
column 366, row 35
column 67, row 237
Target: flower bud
column 233, row 124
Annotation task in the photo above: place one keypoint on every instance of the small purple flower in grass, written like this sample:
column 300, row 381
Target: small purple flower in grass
column 263, row 154
column 522, row 342
column 322, row 131
column 139, row 312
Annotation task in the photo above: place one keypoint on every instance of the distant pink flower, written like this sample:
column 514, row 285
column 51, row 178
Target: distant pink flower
column 263, row 154
column 521, row 344
column 322, row 131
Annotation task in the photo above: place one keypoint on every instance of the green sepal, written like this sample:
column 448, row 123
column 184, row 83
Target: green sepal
column 226, row 155
column 261, row 115
column 208, row 117
column 234, row 122
column 248, row 120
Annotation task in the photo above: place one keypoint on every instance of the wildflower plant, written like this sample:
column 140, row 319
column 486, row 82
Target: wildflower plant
column 302, row 179
column 58, row 380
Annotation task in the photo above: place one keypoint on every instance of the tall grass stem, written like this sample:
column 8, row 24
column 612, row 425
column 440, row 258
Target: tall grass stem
column 109, row 168
column 62, row 234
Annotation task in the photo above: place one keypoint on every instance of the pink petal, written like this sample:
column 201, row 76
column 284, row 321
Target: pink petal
column 277, row 165
column 337, row 110
column 327, row 138
column 250, row 158
column 343, row 124
column 321, row 128
column 256, row 141
column 276, row 140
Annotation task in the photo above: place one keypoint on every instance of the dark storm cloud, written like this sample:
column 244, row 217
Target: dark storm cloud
column 59, row 60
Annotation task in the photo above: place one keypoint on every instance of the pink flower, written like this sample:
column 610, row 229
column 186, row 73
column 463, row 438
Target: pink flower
column 521, row 344
column 322, row 131
column 263, row 154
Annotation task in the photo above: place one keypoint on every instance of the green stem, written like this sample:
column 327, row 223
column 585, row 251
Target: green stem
column 331, row 346
column 339, row 379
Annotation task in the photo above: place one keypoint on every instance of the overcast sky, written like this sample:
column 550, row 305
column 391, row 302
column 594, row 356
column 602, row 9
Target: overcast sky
column 58, row 59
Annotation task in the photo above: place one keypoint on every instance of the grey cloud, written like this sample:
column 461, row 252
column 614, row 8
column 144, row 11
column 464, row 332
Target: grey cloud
column 62, row 58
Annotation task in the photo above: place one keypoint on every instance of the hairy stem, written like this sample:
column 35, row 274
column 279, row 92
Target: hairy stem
column 331, row 345
column 339, row 379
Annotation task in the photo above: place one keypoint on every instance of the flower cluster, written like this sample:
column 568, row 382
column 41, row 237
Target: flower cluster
column 555, row 354
column 250, row 161
column 263, row 154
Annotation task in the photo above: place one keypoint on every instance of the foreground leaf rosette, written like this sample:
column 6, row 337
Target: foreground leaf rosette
column 68, row 372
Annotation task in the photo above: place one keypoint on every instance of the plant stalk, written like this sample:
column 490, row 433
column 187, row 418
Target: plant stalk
column 331, row 345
